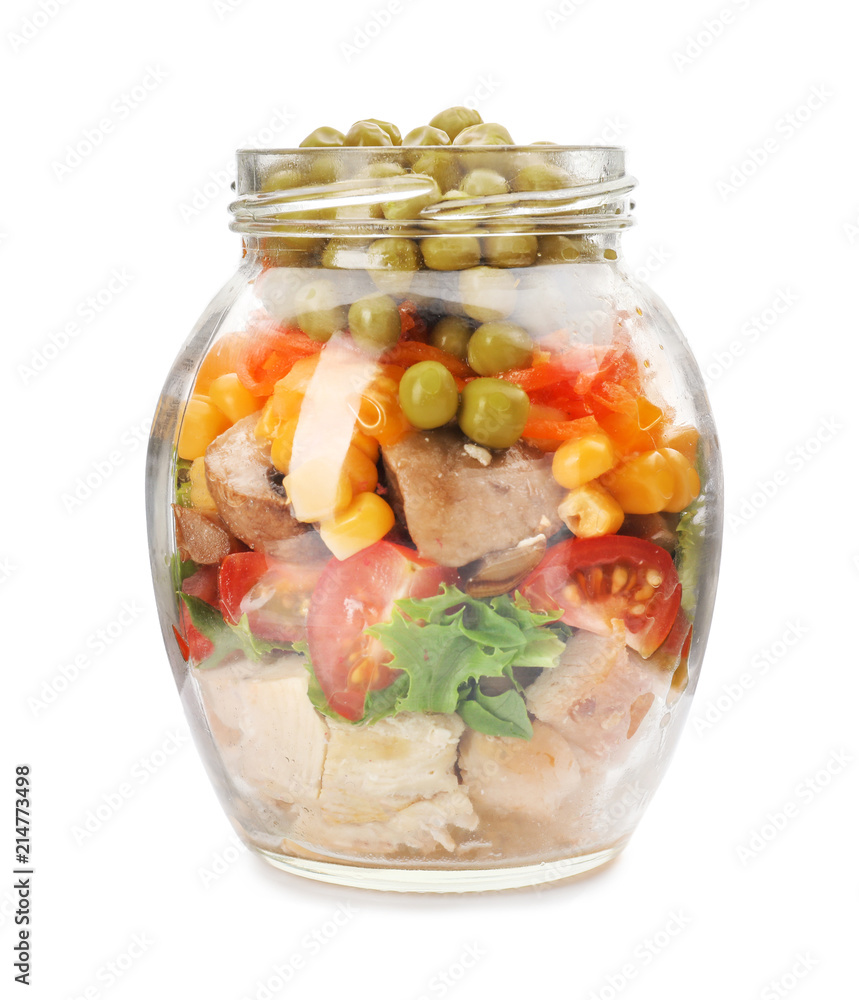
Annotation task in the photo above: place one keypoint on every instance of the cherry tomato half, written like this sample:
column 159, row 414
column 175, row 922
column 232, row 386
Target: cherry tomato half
column 351, row 595
column 597, row 580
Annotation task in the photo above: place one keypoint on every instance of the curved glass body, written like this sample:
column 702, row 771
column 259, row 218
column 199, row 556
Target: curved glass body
column 434, row 503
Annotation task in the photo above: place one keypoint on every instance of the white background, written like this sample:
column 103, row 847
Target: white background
column 774, row 77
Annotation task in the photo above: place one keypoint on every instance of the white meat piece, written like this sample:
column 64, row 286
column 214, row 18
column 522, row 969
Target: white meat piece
column 282, row 739
column 597, row 695
column 508, row 775
column 390, row 786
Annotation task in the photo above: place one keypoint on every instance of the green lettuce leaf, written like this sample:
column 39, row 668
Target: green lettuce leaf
column 225, row 637
column 444, row 644
column 690, row 537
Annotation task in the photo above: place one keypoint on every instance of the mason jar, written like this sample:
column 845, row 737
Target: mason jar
column 434, row 501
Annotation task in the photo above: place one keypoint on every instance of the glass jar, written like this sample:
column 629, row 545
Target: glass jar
column 434, row 501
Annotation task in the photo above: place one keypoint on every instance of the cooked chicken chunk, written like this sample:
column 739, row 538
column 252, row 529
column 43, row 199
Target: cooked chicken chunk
column 598, row 694
column 263, row 717
column 456, row 508
column 390, row 786
column 508, row 775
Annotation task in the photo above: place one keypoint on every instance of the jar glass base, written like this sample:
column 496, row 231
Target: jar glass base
column 433, row 880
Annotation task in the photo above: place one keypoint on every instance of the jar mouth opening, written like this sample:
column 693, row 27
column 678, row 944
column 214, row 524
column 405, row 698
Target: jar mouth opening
column 431, row 190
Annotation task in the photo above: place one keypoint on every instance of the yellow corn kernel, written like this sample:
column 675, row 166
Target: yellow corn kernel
column 202, row 423
column 365, row 521
column 268, row 422
column 361, row 470
column 370, row 446
column 687, row 485
column 232, row 398
column 298, row 377
column 643, row 484
column 281, row 445
column 318, row 489
column 286, row 403
column 683, row 439
column 198, row 492
column 582, row 459
column 591, row 511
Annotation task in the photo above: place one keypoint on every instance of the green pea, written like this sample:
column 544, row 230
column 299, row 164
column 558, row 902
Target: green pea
column 426, row 135
column 392, row 263
column 367, row 133
column 324, row 136
column 410, row 208
column 485, row 134
column 281, row 180
column 317, row 310
column 441, row 166
column 482, row 182
column 557, row 249
column 541, row 177
column 389, row 128
column 428, row 395
column 510, row 250
column 499, row 347
column 383, row 170
column 452, row 334
column 448, row 223
column 450, row 253
column 374, row 322
column 487, row 293
column 493, row 412
column 345, row 254
column 323, row 169
column 454, row 120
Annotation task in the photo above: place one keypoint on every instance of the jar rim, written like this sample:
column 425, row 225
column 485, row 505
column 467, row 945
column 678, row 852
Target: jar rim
column 414, row 190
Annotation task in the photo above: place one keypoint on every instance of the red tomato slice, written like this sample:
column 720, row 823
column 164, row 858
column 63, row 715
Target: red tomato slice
column 597, row 580
column 202, row 584
column 351, row 595
column 274, row 595
column 269, row 354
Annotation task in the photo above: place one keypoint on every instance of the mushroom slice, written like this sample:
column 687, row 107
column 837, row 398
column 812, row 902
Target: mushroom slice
column 500, row 572
column 249, row 499
column 202, row 536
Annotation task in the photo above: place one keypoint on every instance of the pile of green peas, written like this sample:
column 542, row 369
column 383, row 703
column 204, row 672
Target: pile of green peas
column 490, row 411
